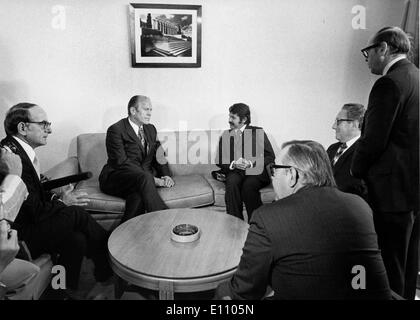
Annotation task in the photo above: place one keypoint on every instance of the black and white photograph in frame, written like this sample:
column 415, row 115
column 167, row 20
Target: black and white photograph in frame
column 164, row 35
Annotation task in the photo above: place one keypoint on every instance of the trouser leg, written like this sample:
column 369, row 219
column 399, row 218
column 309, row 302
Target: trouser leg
column 251, row 193
column 233, row 196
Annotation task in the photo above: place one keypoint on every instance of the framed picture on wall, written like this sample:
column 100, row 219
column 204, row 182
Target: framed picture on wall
column 165, row 35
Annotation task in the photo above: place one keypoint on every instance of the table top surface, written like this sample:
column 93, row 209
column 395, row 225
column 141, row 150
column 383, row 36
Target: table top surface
column 143, row 244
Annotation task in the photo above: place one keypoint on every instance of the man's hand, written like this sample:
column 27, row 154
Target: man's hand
column 242, row 164
column 9, row 246
column 73, row 198
column 10, row 163
column 159, row 182
column 168, row 182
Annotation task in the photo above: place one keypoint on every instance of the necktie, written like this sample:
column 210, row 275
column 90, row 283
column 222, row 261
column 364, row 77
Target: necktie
column 238, row 144
column 339, row 152
column 141, row 136
column 37, row 166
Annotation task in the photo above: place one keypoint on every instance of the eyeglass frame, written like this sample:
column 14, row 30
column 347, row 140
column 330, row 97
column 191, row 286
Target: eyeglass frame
column 338, row 121
column 45, row 124
column 365, row 51
column 281, row 166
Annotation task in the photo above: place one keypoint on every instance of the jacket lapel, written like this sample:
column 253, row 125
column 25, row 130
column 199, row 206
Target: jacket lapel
column 344, row 156
column 133, row 135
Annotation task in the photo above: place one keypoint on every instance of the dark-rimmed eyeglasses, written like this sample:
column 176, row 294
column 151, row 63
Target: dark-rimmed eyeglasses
column 273, row 168
column 338, row 121
column 365, row 51
column 44, row 124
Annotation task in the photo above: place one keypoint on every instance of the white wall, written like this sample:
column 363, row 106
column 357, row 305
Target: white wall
column 295, row 62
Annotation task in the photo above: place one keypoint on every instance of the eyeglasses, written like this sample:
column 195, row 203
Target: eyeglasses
column 44, row 124
column 365, row 51
column 273, row 167
column 338, row 121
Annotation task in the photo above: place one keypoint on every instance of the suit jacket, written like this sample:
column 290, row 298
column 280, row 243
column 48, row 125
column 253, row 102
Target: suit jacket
column 125, row 152
column 387, row 156
column 258, row 150
column 345, row 181
column 305, row 247
column 38, row 206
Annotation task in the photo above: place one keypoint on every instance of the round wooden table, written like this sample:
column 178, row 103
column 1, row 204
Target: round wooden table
column 143, row 254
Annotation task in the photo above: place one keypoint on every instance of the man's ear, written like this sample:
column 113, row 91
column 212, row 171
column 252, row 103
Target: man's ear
column 383, row 48
column 21, row 128
column 292, row 177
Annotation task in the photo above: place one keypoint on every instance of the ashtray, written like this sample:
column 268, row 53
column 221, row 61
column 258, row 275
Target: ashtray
column 185, row 233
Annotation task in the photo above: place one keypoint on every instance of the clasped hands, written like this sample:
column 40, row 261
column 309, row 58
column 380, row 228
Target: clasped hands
column 70, row 197
column 242, row 164
column 165, row 181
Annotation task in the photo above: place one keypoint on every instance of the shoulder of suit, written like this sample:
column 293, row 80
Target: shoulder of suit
column 331, row 147
column 117, row 124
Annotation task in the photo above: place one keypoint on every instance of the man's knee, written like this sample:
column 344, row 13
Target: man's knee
column 233, row 181
column 145, row 179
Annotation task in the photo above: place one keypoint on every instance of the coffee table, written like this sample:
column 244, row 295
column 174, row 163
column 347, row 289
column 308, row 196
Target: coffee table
column 143, row 254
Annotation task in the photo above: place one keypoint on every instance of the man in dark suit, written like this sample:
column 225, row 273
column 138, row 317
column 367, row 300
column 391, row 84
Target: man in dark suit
column 387, row 156
column 52, row 223
column 244, row 152
column 316, row 242
column 347, row 131
column 136, row 163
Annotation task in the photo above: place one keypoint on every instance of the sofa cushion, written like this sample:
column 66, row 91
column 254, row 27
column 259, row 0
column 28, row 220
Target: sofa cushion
column 267, row 193
column 190, row 191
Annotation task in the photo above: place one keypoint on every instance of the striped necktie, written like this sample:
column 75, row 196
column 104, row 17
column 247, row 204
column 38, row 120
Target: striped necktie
column 339, row 152
column 141, row 136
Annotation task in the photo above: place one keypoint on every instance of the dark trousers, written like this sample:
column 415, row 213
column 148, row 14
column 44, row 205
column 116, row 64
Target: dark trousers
column 398, row 239
column 241, row 188
column 71, row 233
column 138, row 188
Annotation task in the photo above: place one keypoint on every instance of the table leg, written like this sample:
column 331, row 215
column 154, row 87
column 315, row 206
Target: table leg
column 119, row 287
column 166, row 290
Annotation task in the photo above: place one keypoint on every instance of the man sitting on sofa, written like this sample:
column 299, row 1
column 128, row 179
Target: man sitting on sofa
column 243, row 154
column 56, row 224
column 134, row 168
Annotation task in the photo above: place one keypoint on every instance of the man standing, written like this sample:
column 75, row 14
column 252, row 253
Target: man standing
column 387, row 156
column 136, row 165
column 51, row 223
column 312, row 243
column 243, row 154
column 347, row 131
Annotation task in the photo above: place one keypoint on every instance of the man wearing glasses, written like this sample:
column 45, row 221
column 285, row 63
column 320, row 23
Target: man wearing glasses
column 387, row 155
column 308, row 244
column 347, row 131
column 55, row 224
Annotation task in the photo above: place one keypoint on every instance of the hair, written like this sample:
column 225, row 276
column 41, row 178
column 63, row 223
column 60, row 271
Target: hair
column 136, row 101
column 395, row 37
column 15, row 115
column 312, row 161
column 242, row 111
column 355, row 111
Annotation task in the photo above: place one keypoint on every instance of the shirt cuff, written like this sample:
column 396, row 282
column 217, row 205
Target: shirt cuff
column 231, row 165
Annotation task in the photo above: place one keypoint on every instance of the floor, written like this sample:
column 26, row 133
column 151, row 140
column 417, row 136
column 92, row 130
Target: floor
column 87, row 282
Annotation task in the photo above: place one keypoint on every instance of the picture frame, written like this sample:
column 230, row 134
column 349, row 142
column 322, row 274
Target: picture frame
column 165, row 35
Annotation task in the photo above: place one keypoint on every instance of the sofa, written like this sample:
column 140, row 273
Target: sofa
column 190, row 156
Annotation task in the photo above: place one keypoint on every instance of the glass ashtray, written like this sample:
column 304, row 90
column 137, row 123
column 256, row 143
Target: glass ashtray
column 185, row 233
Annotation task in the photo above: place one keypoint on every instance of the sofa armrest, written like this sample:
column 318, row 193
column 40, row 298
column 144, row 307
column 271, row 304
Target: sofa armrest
column 67, row 167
